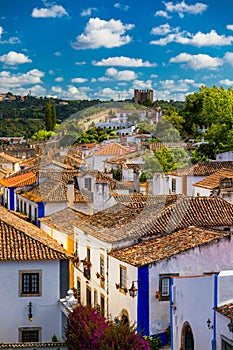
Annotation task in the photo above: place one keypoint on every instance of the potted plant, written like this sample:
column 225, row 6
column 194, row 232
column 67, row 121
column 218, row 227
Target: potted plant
column 117, row 285
column 97, row 275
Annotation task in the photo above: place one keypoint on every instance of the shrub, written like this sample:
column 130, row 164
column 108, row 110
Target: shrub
column 89, row 330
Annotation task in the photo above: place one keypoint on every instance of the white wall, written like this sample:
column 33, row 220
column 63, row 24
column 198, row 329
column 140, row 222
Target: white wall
column 201, row 191
column 14, row 309
column 119, row 301
column 53, row 207
column 212, row 257
column 194, row 301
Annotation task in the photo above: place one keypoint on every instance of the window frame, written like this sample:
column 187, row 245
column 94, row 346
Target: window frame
column 168, row 277
column 123, row 277
column 21, row 284
column 28, row 329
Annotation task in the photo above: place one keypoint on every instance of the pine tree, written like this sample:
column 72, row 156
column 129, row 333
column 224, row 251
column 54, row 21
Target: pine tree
column 53, row 115
column 48, row 116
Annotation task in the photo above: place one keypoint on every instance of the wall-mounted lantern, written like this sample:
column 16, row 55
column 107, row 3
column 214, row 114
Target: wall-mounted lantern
column 30, row 311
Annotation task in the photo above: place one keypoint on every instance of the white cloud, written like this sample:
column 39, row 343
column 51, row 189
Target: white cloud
column 78, row 80
column 57, row 53
column 72, row 93
column 56, row 89
column 108, row 94
column 230, row 26
column 88, row 11
column 80, row 63
column 12, row 58
column 100, row 33
column 53, row 11
column 226, row 82
column 123, row 62
column 164, row 29
column 228, row 57
column 140, row 84
column 8, row 80
column 59, row 79
column 162, row 14
column 182, row 8
column 182, row 85
column 1, row 31
column 196, row 62
column 120, row 75
column 199, row 39
column 117, row 5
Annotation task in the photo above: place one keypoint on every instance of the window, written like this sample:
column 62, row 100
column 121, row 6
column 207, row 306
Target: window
column 101, row 265
column 30, row 334
column 88, row 254
column 30, row 283
column 87, row 183
column 36, row 216
column 102, row 304
column 123, row 277
column 227, row 344
column 95, row 298
column 78, row 291
column 88, row 296
column 174, row 185
column 164, row 286
column 25, row 208
column 30, row 212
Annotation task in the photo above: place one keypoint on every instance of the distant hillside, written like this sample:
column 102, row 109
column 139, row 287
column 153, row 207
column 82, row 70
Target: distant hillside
column 23, row 116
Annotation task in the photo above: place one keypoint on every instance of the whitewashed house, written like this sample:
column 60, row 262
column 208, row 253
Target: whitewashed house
column 219, row 184
column 29, row 307
column 96, row 160
column 225, row 156
column 118, row 248
column 182, row 180
column 207, row 325
column 148, row 268
column 9, row 162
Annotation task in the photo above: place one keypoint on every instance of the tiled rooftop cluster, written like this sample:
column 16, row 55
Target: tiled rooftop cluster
column 166, row 246
column 20, row 240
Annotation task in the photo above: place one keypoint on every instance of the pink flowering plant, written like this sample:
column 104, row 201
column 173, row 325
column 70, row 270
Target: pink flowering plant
column 87, row 329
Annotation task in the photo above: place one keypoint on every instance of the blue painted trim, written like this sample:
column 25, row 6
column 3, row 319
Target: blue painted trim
column 41, row 211
column 171, row 320
column 12, row 198
column 143, row 317
column 215, row 305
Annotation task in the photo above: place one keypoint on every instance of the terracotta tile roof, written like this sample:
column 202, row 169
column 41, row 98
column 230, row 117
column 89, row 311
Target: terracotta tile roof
column 47, row 191
column 31, row 162
column 203, row 168
column 138, row 200
column 212, row 181
column 226, row 310
column 191, row 211
column 127, row 223
column 111, row 150
column 28, row 178
column 58, row 175
column 20, row 240
column 62, row 165
column 167, row 246
column 64, row 220
column 7, row 158
column 120, row 160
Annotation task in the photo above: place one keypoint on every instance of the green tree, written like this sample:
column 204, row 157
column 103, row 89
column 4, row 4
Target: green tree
column 48, row 116
column 53, row 115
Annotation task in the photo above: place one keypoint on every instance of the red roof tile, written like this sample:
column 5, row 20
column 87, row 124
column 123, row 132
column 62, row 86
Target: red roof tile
column 19, row 180
column 20, row 240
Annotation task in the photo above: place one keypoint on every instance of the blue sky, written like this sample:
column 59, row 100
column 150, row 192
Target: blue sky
column 76, row 49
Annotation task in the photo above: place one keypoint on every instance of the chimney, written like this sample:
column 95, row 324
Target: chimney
column 100, row 196
column 70, row 193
